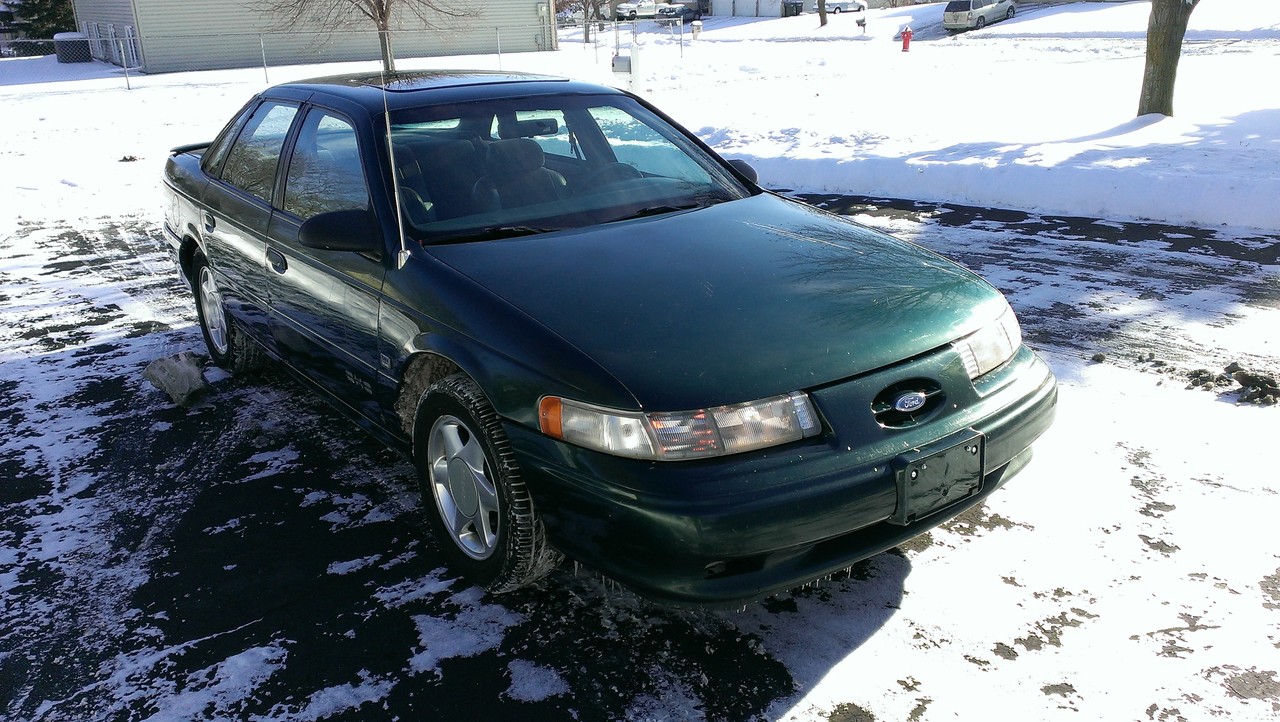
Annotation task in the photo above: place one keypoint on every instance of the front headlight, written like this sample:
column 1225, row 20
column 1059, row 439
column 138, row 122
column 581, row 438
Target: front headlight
column 701, row 433
column 991, row 345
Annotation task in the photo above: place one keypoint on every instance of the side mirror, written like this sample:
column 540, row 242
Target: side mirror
column 745, row 169
column 340, row 231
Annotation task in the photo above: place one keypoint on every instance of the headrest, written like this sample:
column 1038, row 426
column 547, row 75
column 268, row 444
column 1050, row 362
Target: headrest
column 516, row 156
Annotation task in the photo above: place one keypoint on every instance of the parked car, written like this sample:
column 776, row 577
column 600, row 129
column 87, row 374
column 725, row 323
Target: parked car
column 569, row 18
column 596, row 338
column 678, row 14
column 976, row 14
column 843, row 6
column 638, row 9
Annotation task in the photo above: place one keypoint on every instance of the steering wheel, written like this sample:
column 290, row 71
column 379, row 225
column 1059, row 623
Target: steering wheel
column 609, row 173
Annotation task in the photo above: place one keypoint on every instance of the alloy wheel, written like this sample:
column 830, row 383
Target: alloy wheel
column 465, row 496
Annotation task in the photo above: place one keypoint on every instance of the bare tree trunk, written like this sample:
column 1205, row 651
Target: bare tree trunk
column 324, row 17
column 388, row 55
column 1165, row 31
column 822, row 13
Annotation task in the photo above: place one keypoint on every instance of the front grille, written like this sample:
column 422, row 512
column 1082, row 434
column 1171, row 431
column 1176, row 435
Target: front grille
column 927, row 393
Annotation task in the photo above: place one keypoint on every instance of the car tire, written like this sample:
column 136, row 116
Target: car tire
column 228, row 346
column 476, row 501
column 835, row 10
column 980, row 23
column 1009, row 15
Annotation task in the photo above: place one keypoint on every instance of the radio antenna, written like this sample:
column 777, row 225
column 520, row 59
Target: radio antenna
column 403, row 256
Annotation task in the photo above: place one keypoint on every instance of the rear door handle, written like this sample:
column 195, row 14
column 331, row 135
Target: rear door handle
column 209, row 223
column 277, row 260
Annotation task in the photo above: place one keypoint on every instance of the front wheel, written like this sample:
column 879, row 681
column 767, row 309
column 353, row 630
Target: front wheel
column 835, row 10
column 1009, row 15
column 478, row 504
column 228, row 346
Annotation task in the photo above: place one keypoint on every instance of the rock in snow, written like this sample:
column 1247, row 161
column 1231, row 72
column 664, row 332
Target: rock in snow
column 180, row 376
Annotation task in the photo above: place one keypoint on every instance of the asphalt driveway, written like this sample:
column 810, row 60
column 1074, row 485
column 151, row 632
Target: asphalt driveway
column 257, row 557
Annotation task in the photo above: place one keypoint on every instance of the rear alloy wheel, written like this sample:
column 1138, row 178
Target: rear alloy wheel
column 1009, row 15
column 478, row 501
column 980, row 23
column 228, row 346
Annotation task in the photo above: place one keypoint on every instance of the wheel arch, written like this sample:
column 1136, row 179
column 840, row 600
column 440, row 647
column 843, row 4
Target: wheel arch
column 420, row 371
column 187, row 250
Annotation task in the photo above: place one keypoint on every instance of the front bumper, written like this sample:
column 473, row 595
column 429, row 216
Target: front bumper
column 723, row 531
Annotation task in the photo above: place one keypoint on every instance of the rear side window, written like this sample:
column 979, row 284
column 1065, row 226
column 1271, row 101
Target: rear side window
column 253, row 158
column 325, row 172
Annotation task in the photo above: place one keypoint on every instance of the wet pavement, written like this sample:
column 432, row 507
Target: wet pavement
column 258, row 557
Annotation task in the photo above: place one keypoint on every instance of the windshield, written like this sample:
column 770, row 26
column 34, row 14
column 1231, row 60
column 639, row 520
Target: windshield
column 499, row 168
column 957, row 6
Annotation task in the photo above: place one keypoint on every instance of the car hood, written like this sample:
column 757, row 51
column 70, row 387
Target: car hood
column 734, row 302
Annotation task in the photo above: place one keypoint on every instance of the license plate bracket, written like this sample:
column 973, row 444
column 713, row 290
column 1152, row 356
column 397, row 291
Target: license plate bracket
column 937, row 475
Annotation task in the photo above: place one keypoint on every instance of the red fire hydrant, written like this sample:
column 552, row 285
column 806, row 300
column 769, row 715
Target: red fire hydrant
column 906, row 39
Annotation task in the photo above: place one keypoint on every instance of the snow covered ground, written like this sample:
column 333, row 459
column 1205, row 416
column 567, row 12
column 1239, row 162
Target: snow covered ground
column 256, row 558
column 1033, row 113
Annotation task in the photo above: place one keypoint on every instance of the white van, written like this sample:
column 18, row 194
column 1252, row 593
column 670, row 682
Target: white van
column 966, row 14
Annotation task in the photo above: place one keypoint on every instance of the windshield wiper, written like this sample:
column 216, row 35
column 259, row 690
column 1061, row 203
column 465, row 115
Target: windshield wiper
column 491, row 233
column 659, row 210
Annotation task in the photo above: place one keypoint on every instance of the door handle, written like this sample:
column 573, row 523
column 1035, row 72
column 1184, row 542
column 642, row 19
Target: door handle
column 209, row 223
column 277, row 260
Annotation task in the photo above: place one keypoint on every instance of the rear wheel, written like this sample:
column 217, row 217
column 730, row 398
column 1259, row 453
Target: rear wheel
column 477, row 503
column 980, row 23
column 227, row 344
column 835, row 10
column 1009, row 15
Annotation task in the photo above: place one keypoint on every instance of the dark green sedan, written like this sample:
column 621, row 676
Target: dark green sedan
column 595, row 337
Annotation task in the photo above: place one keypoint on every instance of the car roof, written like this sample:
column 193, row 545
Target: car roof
column 429, row 87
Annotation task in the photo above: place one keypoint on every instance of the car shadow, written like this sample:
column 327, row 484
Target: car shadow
column 307, row 532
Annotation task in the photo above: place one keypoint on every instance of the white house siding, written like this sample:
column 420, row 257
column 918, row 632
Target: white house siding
column 108, row 23
column 177, row 35
column 748, row 8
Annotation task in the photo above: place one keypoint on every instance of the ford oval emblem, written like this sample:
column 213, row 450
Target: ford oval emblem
column 909, row 401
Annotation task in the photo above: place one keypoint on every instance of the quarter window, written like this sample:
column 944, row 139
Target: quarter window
column 251, row 164
column 217, row 153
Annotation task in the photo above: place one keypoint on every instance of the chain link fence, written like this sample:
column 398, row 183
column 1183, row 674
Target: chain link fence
column 133, row 57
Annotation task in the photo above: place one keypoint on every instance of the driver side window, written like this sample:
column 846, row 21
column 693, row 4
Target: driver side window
column 325, row 173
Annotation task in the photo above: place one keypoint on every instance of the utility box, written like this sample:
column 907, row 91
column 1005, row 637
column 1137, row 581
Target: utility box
column 71, row 47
